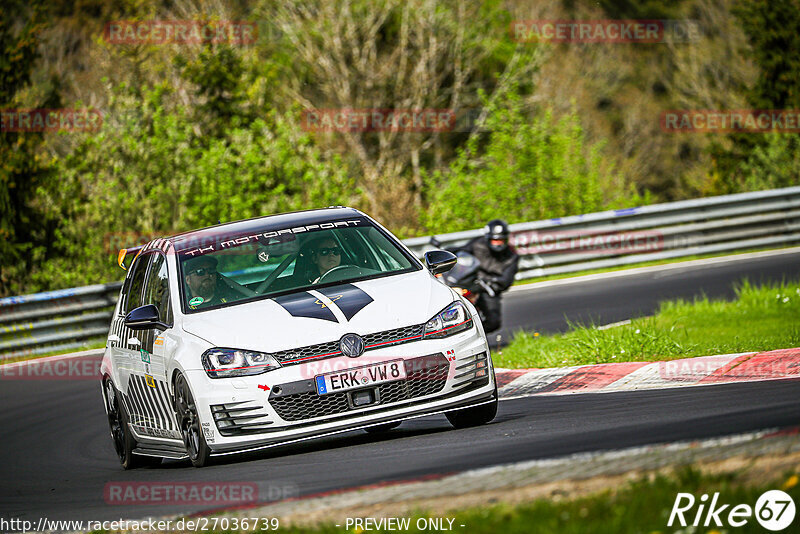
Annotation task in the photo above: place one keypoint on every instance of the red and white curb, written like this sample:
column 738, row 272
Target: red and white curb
column 631, row 376
column 515, row 383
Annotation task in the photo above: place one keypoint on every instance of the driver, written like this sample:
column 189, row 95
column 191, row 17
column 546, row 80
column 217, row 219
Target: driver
column 325, row 255
column 203, row 284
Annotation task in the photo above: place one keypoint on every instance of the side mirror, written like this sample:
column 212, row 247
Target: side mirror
column 144, row 318
column 439, row 261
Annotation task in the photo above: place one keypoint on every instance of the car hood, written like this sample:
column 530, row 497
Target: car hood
column 302, row 319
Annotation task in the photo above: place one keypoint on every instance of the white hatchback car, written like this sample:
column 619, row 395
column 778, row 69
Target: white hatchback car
column 283, row 328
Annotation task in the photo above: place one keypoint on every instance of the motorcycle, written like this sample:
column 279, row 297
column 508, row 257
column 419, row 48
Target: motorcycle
column 464, row 277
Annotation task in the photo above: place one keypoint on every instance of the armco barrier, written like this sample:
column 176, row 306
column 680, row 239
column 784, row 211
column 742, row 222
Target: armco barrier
column 55, row 320
column 727, row 223
column 44, row 322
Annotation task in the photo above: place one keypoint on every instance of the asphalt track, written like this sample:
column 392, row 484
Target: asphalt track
column 57, row 455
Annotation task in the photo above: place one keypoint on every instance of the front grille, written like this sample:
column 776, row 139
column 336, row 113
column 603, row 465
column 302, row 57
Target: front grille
column 329, row 349
column 424, row 376
column 393, row 337
column 311, row 352
column 234, row 419
column 307, row 405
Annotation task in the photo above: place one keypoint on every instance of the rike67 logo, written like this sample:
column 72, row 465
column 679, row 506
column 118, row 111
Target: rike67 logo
column 774, row 510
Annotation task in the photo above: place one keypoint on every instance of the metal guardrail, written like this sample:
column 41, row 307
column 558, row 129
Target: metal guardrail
column 616, row 238
column 65, row 319
column 55, row 320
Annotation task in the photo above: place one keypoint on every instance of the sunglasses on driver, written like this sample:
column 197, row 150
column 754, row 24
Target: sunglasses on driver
column 336, row 251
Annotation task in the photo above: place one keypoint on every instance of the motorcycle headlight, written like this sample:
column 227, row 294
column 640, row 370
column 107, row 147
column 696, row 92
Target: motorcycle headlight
column 223, row 363
column 453, row 319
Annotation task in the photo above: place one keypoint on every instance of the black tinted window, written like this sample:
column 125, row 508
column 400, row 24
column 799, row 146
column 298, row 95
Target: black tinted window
column 157, row 290
column 133, row 298
column 235, row 268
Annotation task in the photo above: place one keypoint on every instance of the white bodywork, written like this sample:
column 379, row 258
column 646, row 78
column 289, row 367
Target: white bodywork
column 398, row 301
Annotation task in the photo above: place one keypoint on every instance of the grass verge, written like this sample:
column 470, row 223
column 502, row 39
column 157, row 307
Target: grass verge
column 642, row 505
column 760, row 318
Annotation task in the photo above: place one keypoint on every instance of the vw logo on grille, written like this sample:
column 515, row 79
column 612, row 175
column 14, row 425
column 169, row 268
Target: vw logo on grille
column 351, row 345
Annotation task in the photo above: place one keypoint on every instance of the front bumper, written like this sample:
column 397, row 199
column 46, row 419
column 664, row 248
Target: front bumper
column 283, row 406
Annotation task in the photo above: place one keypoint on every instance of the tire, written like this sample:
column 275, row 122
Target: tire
column 476, row 416
column 189, row 423
column 121, row 435
column 378, row 429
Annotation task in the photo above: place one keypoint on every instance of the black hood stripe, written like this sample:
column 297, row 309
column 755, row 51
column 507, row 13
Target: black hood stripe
column 306, row 305
column 348, row 298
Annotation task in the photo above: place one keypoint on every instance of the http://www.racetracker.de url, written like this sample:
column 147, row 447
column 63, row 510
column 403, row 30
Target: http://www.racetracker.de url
column 196, row 524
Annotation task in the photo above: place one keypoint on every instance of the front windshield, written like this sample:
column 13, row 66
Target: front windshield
column 234, row 268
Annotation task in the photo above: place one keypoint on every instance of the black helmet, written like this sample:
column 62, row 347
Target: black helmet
column 497, row 229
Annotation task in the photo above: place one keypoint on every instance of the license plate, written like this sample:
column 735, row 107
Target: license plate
column 360, row 377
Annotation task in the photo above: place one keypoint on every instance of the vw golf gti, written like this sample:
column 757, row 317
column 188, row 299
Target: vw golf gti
column 283, row 328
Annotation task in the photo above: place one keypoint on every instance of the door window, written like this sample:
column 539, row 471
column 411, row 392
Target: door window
column 134, row 284
column 157, row 290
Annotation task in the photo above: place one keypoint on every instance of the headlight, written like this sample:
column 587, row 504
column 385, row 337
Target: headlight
column 222, row 363
column 453, row 319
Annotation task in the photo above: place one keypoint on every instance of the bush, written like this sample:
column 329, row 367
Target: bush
column 528, row 167
column 144, row 175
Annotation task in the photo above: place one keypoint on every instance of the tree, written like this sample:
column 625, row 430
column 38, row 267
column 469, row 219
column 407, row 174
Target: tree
column 761, row 160
column 397, row 55
column 217, row 75
column 143, row 176
column 533, row 166
column 26, row 233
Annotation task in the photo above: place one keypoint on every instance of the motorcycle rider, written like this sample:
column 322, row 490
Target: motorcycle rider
column 498, row 265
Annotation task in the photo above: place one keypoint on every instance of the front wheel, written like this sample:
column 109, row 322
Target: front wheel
column 121, row 435
column 189, row 423
column 475, row 416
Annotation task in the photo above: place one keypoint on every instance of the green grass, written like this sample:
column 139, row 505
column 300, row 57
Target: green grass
column 761, row 318
column 640, row 506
